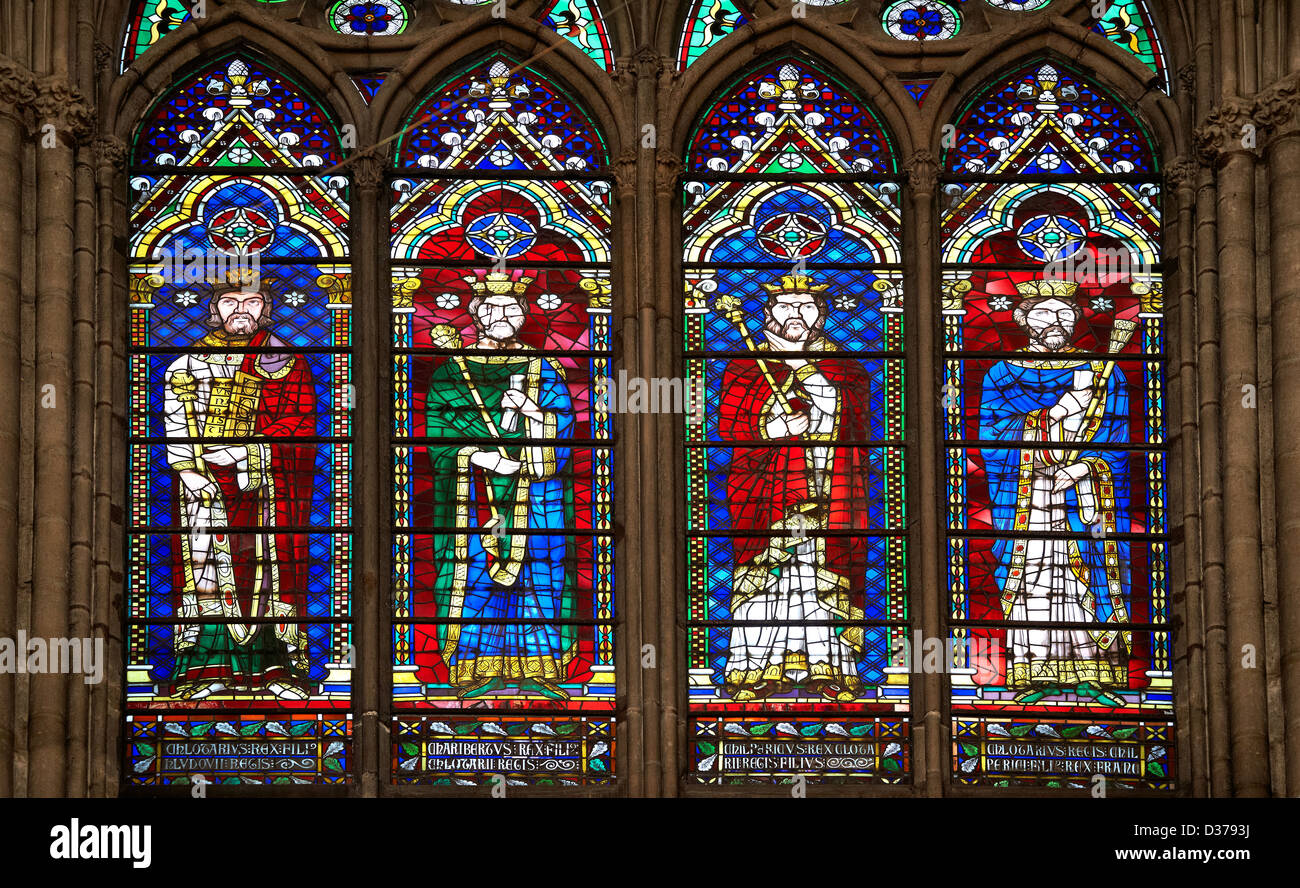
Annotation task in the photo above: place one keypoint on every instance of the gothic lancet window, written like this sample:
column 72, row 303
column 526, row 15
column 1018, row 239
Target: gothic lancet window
column 796, row 542
column 793, row 579
column 503, row 551
column 239, row 538
column 1054, row 349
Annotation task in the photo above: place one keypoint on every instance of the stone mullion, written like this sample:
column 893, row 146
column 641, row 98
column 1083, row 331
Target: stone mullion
column 372, row 464
column 17, row 87
column 656, row 588
column 926, row 590
column 665, row 300
column 629, row 765
column 628, row 477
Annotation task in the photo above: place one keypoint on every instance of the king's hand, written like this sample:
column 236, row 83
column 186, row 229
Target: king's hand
column 493, row 461
column 197, row 485
column 225, row 456
column 781, row 424
column 1067, row 476
column 518, row 401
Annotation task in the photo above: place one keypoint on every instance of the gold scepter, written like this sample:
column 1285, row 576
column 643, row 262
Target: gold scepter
column 1120, row 334
column 448, row 337
column 730, row 308
column 186, row 390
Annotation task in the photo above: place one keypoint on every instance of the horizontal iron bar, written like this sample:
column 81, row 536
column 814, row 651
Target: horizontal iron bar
column 1053, row 535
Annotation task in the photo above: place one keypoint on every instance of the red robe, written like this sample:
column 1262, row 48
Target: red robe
column 286, row 408
column 764, row 484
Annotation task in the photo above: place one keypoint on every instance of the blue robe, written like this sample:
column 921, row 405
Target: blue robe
column 1010, row 392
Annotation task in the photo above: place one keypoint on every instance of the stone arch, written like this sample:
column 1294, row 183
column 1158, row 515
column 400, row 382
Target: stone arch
column 594, row 90
column 281, row 44
column 1118, row 73
column 822, row 43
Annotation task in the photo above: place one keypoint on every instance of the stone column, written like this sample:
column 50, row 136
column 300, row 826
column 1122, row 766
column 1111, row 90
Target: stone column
column 61, row 119
column 1228, row 141
column 1189, row 637
column 109, row 464
column 1277, row 110
column 17, row 90
column 664, row 304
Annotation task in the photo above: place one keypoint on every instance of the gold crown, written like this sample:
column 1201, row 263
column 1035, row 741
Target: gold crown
column 795, row 283
column 239, row 279
column 498, row 283
column 1057, row 289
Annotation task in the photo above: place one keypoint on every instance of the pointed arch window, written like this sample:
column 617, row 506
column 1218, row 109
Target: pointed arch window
column 503, row 600
column 796, row 549
column 1054, row 419
column 239, row 538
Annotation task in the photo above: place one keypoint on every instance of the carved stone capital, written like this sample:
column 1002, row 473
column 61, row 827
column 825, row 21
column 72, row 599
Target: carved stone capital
column 922, row 172
column 624, row 73
column 1276, row 107
column 60, row 103
column 368, row 166
column 648, row 62
column 17, row 88
column 1228, row 129
column 625, row 169
column 1182, row 173
column 110, row 151
column 1187, row 77
column 103, row 55
column 668, row 169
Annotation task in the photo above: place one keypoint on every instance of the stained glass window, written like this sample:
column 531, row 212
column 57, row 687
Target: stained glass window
column 1129, row 23
column 503, row 648
column 580, row 22
column 1053, row 397
column 239, row 619
column 921, row 20
column 796, row 545
column 151, row 20
column 917, row 89
column 369, row 18
column 707, row 22
column 368, row 85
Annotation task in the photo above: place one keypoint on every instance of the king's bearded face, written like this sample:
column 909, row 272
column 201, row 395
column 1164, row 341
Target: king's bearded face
column 499, row 317
column 240, row 312
column 1050, row 324
column 795, row 317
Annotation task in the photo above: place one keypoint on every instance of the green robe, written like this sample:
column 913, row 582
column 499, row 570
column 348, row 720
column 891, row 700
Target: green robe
column 526, row 578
